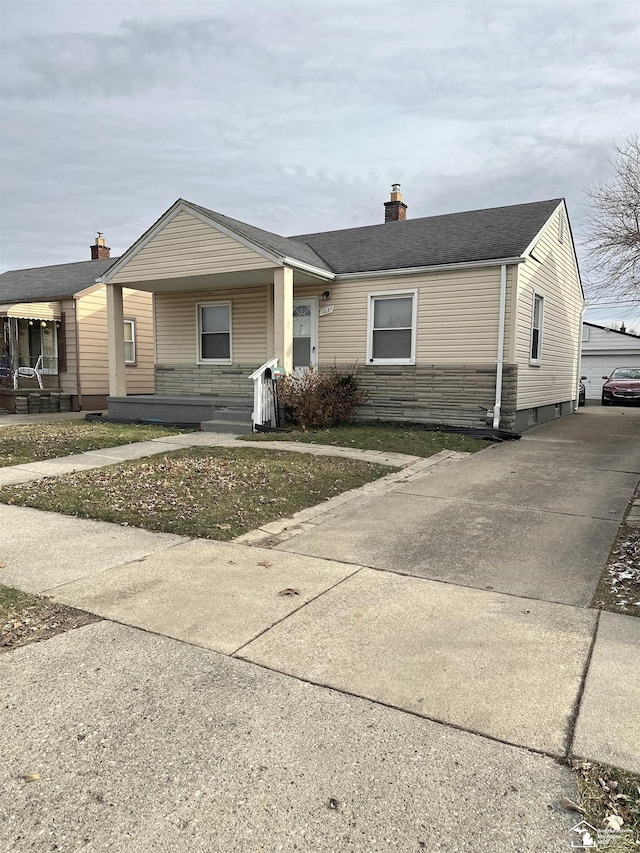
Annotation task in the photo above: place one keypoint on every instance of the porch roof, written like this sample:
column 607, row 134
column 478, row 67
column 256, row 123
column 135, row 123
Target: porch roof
column 32, row 310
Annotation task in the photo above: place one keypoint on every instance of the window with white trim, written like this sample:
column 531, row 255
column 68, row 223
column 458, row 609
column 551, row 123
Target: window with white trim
column 214, row 332
column 535, row 355
column 391, row 333
column 129, row 341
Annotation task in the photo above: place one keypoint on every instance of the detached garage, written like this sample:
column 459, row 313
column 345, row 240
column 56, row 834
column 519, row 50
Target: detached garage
column 602, row 351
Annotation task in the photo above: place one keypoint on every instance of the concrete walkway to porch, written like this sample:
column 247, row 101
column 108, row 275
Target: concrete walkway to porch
column 455, row 598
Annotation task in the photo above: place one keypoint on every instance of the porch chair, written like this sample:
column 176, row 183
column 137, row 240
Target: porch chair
column 34, row 372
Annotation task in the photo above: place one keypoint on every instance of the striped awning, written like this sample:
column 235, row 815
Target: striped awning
column 32, row 310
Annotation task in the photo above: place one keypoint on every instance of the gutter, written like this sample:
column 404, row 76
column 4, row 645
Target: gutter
column 500, row 358
column 493, row 262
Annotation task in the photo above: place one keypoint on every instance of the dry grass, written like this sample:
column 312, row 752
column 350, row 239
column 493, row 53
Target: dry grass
column 619, row 586
column 215, row 493
column 389, row 438
column 26, row 618
column 607, row 794
column 34, row 442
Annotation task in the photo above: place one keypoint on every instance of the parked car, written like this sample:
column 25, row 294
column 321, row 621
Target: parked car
column 621, row 386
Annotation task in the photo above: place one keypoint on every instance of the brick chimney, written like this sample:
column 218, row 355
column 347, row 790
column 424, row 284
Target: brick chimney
column 395, row 210
column 100, row 251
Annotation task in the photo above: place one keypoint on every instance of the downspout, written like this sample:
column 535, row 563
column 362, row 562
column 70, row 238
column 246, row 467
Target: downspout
column 500, row 359
column 579, row 365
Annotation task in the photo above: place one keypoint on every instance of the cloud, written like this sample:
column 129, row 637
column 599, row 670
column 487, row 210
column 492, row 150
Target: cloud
column 297, row 116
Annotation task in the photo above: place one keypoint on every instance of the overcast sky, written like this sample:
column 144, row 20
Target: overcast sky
column 297, row 116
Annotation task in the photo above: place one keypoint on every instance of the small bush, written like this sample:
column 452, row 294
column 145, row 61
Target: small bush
column 317, row 399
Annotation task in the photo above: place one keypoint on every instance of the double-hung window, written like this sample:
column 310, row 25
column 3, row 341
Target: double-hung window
column 214, row 332
column 129, row 341
column 391, row 334
column 535, row 355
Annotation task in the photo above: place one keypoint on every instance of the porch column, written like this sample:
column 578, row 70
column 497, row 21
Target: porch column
column 283, row 317
column 115, row 341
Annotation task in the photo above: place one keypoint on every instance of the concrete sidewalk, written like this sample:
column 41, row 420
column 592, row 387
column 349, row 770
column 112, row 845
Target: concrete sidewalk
column 456, row 594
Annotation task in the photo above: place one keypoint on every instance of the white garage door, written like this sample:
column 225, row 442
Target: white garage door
column 594, row 367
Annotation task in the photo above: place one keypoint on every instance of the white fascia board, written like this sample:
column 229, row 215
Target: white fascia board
column 494, row 262
column 299, row 265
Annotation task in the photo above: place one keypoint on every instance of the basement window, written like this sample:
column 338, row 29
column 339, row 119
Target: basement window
column 536, row 329
column 214, row 333
column 391, row 328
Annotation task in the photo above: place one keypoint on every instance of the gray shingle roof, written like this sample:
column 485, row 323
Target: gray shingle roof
column 476, row 235
column 50, row 283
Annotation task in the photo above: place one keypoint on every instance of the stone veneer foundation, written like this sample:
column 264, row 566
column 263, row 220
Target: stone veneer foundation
column 452, row 394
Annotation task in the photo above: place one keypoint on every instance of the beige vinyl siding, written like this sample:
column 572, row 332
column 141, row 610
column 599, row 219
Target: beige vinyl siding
column 555, row 278
column 92, row 334
column 68, row 380
column 176, row 333
column 457, row 315
column 186, row 246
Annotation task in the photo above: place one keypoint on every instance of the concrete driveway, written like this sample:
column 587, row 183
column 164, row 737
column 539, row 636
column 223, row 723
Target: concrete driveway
column 437, row 661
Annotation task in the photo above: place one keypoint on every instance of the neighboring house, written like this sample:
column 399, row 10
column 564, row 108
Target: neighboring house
column 55, row 319
column 466, row 319
column 602, row 351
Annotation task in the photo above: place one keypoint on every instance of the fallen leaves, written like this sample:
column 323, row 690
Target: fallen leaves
column 289, row 591
column 30, row 777
column 566, row 803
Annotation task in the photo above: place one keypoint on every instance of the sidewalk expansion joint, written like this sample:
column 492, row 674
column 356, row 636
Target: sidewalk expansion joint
column 296, row 611
column 447, row 724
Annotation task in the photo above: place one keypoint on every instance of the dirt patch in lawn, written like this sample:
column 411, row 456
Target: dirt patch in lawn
column 214, row 493
column 26, row 618
column 35, row 442
column 619, row 586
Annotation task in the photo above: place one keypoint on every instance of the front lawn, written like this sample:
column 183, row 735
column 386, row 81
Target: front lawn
column 619, row 586
column 610, row 799
column 214, row 493
column 389, row 438
column 34, row 442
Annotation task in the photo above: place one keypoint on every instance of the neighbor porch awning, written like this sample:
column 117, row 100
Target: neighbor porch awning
column 32, row 310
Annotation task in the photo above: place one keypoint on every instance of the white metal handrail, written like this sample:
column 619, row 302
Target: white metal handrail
column 264, row 404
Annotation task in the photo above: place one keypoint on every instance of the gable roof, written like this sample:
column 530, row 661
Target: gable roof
column 50, row 283
column 454, row 238
column 492, row 234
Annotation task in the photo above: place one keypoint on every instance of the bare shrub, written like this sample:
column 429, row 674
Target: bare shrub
column 317, row 399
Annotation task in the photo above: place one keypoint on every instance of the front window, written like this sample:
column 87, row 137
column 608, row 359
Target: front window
column 38, row 338
column 129, row 342
column 392, row 328
column 214, row 332
column 536, row 329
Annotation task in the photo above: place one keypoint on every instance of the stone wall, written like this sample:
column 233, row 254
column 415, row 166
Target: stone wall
column 191, row 380
column 458, row 395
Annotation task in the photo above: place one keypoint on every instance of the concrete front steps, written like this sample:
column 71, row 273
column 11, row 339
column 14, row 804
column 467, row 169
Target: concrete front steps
column 211, row 413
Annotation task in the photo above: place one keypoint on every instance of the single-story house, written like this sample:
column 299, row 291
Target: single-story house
column 465, row 319
column 53, row 321
column 602, row 351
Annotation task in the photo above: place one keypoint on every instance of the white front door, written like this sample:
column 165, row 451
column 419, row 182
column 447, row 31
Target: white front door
column 305, row 334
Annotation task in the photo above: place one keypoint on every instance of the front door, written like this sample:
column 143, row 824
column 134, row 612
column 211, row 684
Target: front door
column 305, row 334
